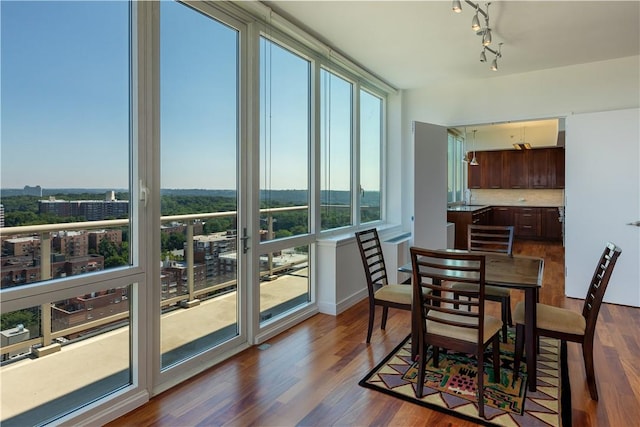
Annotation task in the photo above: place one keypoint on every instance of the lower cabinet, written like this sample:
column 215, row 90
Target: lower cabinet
column 535, row 223
column 551, row 225
column 527, row 223
column 530, row 223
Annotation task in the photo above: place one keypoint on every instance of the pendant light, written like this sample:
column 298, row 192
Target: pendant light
column 474, row 161
column 465, row 155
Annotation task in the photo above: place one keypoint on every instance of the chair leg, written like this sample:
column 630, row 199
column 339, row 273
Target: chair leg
column 519, row 348
column 509, row 318
column 422, row 366
column 435, row 354
column 480, row 383
column 506, row 317
column 457, row 298
column 385, row 313
column 587, row 354
column 372, row 315
column 496, row 359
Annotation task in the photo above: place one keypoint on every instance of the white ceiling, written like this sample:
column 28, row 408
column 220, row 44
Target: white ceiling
column 414, row 44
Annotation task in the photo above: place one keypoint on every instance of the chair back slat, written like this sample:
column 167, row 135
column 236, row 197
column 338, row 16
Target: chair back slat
column 372, row 259
column 598, row 285
column 434, row 270
column 490, row 238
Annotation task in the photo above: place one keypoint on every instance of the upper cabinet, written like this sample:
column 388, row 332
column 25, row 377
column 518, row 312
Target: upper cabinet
column 538, row 168
column 515, row 169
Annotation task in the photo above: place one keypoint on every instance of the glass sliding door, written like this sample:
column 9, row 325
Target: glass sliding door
column 199, row 193
column 285, row 128
column 67, row 269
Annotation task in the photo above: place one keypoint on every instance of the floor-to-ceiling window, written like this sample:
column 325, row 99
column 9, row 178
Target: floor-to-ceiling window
column 371, row 149
column 284, row 194
column 199, row 101
column 336, row 136
column 130, row 123
column 69, row 245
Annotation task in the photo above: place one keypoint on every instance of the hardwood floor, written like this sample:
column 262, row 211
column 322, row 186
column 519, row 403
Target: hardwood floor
column 309, row 375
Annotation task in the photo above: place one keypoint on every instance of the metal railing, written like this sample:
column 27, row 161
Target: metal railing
column 44, row 231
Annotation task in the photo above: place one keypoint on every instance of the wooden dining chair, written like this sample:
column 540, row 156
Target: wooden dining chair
column 440, row 324
column 568, row 325
column 381, row 292
column 498, row 239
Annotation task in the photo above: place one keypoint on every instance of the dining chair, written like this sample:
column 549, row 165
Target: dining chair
column 568, row 325
column 498, row 239
column 440, row 324
column 381, row 292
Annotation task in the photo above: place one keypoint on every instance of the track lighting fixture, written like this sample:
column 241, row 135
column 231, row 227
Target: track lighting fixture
column 474, row 161
column 498, row 54
column 475, row 22
column 484, row 32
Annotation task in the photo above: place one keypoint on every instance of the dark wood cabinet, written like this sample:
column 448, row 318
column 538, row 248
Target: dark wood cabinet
column 551, row 225
column 502, row 215
column 530, row 223
column 558, row 164
column 463, row 219
column 515, row 171
column 541, row 164
column 540, row 168
column 492, row 169
column 474, row 176
column 527, row 223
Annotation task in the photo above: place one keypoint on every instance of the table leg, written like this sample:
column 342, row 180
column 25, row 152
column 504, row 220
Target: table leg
column 531, row 339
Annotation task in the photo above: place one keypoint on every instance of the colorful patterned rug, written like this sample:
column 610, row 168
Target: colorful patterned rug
column 451, row 388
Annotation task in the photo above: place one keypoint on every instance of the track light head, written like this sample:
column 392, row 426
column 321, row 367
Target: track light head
column 457, row 7
column 483, row 56
column 486, row 38
column 475, row 22
column 494, row 64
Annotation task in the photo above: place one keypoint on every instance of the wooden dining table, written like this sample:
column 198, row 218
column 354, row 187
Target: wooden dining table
column 514, row 272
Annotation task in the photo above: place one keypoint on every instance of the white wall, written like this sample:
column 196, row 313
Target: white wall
column 603, row 196
column 560, row 92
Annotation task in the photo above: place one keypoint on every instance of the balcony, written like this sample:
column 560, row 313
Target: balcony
column 80, row 349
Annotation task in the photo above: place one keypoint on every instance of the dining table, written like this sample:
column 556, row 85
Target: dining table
column 510, row 271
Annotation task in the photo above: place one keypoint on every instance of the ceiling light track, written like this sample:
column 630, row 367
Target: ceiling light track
column 485, row 31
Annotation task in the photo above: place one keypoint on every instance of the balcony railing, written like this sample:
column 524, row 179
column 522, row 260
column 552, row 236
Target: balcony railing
column 48, row 336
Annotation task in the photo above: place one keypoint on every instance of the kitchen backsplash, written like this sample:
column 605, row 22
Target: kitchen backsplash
column 517, row 197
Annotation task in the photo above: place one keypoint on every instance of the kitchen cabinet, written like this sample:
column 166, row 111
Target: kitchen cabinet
column 516, row 172
column 551, row 225
column 479, row 215
column 491, row 171
column 527, row 223
column 530, row 223
column 541, row 164
column 502, row 215
column 540, row 168
column 558, row 164
column 474, row 176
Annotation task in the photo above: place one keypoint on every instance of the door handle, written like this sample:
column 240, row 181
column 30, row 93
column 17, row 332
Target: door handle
column 636, row 223
column 244, row 239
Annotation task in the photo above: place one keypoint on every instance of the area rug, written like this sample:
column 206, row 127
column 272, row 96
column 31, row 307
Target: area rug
column 451, row 388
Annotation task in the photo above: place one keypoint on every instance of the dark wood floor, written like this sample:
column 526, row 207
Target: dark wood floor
column 309, row 375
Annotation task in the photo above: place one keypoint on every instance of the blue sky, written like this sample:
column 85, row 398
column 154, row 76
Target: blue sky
column 65, row 101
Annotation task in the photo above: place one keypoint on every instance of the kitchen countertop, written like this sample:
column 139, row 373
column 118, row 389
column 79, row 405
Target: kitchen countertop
column 467, row 208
